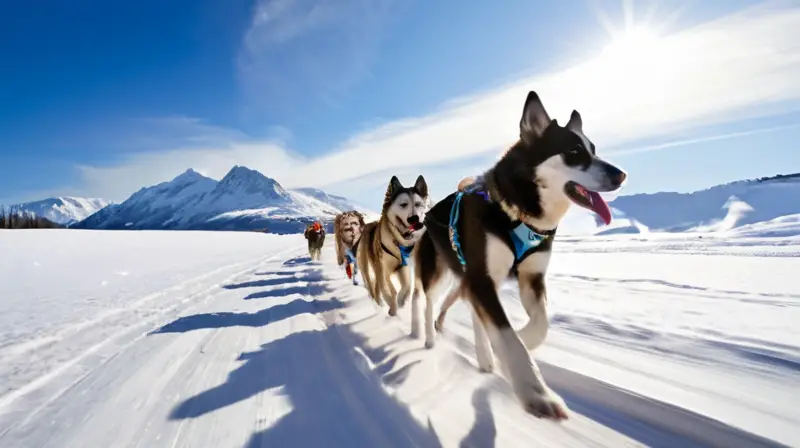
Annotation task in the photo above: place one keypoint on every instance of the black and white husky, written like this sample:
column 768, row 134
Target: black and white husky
column 503, row 225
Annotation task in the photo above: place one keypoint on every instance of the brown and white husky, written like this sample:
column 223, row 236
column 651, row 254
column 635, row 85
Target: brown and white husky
column 385, row 245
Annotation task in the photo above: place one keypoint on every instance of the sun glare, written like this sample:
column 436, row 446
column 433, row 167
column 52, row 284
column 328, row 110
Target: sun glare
column 634, row 67
column 631, row 44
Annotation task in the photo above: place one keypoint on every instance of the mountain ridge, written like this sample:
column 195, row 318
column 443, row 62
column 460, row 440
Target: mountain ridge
column 244, row 199
column 717, row 208
column 63, row 210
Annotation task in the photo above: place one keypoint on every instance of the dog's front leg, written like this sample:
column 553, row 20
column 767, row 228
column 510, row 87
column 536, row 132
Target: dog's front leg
column 534, row 300
column 389, row 292
column 526, row 380
column 434, row 291
column 405, row 285
column 451, row 298
column 355, row 272
column 533, row 295
column 415, row 330
column 483, row 349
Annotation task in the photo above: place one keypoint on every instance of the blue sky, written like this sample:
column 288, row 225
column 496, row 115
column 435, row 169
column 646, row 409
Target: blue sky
column 100, row 100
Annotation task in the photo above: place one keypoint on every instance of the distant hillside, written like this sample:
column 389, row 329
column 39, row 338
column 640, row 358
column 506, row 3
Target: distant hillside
column 15, row 218
column 242, row 200
column 721, row 207
column 65, row 210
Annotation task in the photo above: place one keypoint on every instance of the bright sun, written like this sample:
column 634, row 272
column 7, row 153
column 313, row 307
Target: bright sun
column 634, row 66
column 632, row 44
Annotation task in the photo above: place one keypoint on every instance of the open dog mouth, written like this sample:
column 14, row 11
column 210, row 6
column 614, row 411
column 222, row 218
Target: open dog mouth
column 588, row 199
column 407, row 230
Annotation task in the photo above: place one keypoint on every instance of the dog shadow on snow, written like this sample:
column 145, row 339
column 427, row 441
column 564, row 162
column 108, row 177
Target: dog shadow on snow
column 309, row 275
column 274, row 313
column 260, row 318
column 297, row 261
column 335, row 400
column 308, row 282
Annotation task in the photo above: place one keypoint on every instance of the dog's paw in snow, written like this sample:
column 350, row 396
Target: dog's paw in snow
column 485, row 362
column 438, row 324
column 547, row 405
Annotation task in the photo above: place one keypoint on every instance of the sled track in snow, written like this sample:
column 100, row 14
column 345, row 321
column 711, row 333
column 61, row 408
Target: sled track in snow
column 293, row 354
column 125, row 336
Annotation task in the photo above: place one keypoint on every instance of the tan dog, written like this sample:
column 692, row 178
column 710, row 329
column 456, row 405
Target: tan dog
column 385, row 245
column 347, row 229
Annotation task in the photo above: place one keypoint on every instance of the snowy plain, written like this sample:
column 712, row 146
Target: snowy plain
column 164, row 338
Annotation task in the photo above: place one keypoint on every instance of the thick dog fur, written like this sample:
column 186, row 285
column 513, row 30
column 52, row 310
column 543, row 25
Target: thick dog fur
column 315, row 241
column 378, row 250
column 347, row 228
column 526, row 184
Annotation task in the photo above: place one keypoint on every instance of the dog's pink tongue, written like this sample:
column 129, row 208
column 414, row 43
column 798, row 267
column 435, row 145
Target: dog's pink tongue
column 600, row 207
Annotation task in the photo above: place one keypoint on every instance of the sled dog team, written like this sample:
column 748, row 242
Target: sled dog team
column 498, row 225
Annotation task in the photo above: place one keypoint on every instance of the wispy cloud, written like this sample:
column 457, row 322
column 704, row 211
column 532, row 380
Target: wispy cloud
column 298, row 53
column 741, row 66
column 705, row 139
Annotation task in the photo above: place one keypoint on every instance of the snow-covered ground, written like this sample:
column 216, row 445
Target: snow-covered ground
column 225, row 339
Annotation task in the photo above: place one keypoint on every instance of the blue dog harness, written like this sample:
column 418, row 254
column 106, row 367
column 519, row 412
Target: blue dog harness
column 351, row 258
column 525, row 239
column 405, row 252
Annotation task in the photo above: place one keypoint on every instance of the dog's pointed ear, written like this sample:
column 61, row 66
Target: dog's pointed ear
column 394, row 184
column 534, row 118
column 421, row 186
column 575, row 122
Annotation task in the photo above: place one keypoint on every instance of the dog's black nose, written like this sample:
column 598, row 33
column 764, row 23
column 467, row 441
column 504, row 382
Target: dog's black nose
column 413, row 220
column 616, row 175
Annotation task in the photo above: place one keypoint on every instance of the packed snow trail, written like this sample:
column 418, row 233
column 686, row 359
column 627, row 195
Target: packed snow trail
column 288, row 353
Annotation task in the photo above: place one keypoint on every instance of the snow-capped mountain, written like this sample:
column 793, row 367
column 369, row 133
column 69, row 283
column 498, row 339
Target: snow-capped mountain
column 64, row 210
column 243, row 199
column 339, row 202
column 719, row 208
column 152, row 207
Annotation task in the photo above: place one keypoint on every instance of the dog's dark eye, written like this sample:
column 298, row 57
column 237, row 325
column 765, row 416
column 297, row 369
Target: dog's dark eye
column 404, row 205
column 575, row 150
column 418, row 205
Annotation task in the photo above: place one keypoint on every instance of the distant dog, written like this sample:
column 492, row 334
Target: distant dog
column 347, row 229
column 502, row 224
column 315, row 235
column 385, row 245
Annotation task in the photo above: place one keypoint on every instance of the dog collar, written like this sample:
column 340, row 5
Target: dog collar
column 480, row 188
column 405, row 252
column 351, row 257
